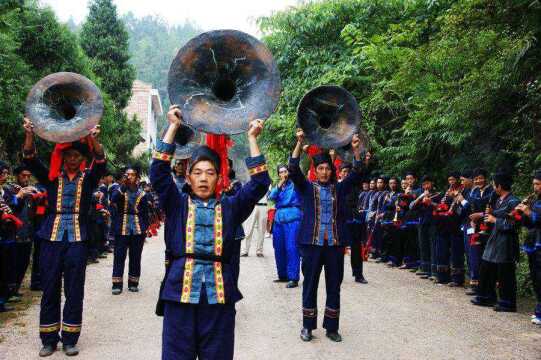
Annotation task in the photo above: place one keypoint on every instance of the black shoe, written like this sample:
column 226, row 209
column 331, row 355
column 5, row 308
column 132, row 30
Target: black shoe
column 71, row 350
column 244, row 255
column 47, row 350
column 499, row 308
column 481, row 302
column 102, row 256
column 360, row 280
column 92, row 261
column 424, row 276
column 109, row 250
column 280, row 280
column 455, row 284
column 471, row 292
column 133, row 288
column 421, row 273
column 116, row 291
column 334, row 336
column 292, row 284
column 306, row 335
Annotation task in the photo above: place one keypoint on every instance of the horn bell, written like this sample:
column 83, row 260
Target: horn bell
column 222, row 80
column 329, row 116
column 64, row 107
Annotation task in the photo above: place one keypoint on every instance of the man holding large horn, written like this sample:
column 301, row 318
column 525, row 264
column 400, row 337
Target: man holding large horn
column 323, row 233
column 200, row 290
column 70, row 185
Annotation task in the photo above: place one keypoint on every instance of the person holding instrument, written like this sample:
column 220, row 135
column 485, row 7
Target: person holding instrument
column 200, row 290
column 531, row 218
column 130, row 225
column 64, row 232
column 323, row 233
column 498, row 263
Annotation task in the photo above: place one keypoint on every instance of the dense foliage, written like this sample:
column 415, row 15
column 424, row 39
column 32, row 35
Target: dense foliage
column 34, row 44
column 443, row 85
column 105, row 41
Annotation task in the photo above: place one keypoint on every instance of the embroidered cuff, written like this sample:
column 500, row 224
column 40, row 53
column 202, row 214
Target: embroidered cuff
column 162, row 147
column 256, row 165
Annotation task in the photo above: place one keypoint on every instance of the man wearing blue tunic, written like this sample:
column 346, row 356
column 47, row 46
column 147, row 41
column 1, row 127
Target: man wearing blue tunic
column 287, row 221
column 323, row 234
column 531, row 218
column 64, row 234
column 200, row 289
column 130, row 225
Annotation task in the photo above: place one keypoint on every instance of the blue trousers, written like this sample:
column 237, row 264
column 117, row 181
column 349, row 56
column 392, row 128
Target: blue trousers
column 7, row 264
column 314, row 258
column 443, row 253
column 62, row 260
column 23, row 252
column 198, row 331
column 457, row 258
column 475, row 255
column 427, row 247
column 35, row 281
column 286, row 253
column 131, row 245
column 534, row 262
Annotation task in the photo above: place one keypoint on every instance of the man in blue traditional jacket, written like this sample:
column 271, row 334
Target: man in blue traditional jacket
column 8, row 232
column 498, row 262
column 531, row 210
column 130, row 225
column 64, row 234
column 200, row 291
column 359, row 233
column 425, row 203
column 287, row 221
column 324, row 233
column 480, row 197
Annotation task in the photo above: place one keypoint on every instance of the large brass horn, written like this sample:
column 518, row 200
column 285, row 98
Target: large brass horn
column 64, row 107
column 222, row 80
column 329, row 116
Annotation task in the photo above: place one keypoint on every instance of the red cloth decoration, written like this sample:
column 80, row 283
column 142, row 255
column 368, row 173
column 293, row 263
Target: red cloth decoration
column 221, row 144
column 314, row 150
column 56, row 157
column 14, row 219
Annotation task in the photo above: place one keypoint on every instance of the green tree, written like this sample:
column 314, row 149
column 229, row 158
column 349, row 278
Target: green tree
column 34, row 44
column 153, row 45
column 104, row 39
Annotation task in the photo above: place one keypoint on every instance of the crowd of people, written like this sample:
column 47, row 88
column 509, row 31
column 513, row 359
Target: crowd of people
column 465, row 235
column 77, row 213
column 73, row 214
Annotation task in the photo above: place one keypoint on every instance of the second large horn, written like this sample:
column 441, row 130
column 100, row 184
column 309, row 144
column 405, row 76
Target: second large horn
column 329, row 116
column 222, row 80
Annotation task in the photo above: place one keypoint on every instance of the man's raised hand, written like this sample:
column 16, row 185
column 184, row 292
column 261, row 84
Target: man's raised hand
column 255, row 128
column 174, row 116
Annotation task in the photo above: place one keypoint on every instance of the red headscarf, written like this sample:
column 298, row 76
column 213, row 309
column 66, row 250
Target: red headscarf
column 55, row 168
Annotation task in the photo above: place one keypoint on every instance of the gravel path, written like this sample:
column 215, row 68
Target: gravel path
column 395, row 316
